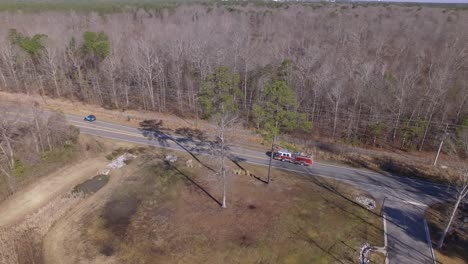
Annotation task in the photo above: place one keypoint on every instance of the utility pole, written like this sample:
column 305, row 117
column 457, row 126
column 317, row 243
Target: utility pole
column 382, row 206
column 272, row 151
column 440, row 146
column 271, row 157
column 196, row 111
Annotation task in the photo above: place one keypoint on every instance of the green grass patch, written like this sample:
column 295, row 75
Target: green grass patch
column 19, row 169
column 59, row 154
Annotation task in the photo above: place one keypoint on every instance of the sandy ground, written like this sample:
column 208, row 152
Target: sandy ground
column 63, row 243
column 39, row 193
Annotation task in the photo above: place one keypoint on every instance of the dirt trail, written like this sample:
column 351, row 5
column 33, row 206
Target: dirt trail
column 39, row 193
column 63, row 242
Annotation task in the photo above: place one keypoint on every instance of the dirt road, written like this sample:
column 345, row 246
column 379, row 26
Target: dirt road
column 39, row 193
column 63, row 243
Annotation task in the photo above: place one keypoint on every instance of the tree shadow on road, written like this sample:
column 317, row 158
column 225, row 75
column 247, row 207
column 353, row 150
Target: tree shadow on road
column 153, row 129
column 417, row 255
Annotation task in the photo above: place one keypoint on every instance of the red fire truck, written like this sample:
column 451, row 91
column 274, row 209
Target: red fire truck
column 303, row 160
column 282, row 155
column 296, row 158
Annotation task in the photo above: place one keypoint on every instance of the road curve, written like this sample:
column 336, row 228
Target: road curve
column 405, row 199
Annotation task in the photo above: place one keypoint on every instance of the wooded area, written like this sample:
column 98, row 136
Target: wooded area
column 28, row 136
column 378, row 74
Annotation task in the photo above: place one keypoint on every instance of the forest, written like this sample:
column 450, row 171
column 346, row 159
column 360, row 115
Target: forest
column 26, row 142
column 380, row 75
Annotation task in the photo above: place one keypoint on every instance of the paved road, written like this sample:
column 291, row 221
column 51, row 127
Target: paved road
column 405, row 199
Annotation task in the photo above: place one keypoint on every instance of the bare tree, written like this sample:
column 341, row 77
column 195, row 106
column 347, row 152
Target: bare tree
column 335, row 96
column 147, row 62
column 7, row 154
column 51, row 62
column 225, row 122
column 110, row 67
column 460, row 185
column 218, row 104
column 344, row 74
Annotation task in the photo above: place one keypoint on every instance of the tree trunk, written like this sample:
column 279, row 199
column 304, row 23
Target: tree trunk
column 57, row 89
column 335, row 119
column 245, row 87
column 36, row 142
column 223, row 169
column 126, row 88
column 224, row 184
column 5, row 85
column 11, row 160
column 425, row 133
column 38, row 130
column 455, row 208
column 395, row 129
column 314, row 102
column 114, row 91
column 461, row 108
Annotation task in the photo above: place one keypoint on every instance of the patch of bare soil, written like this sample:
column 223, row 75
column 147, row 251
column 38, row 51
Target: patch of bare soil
column 38, row 194
column 117, row 214
column 28, row 214
column 63, row 242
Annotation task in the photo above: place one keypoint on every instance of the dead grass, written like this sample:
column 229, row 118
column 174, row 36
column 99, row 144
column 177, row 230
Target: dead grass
column 455, row 247
column 51, row 161
column 398, row 163
column 22, row 243
column 377, row 258
column 21, row 238
column 164, row 214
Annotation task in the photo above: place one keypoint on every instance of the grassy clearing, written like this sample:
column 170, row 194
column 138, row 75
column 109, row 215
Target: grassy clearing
column 455, row 248
column 164, row 213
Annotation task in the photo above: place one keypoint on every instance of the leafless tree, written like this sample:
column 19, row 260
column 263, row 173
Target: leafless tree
column 347, row 76
column 460, row 186
column 7, row 154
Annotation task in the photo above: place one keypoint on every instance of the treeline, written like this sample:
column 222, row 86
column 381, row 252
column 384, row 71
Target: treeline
column 379, row 75
column 29, row 136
